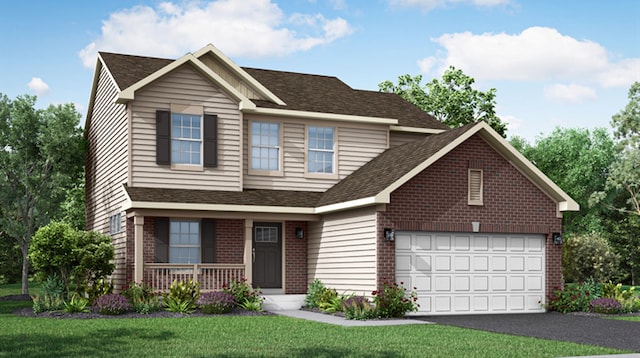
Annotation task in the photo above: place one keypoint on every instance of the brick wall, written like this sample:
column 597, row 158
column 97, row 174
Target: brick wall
column 295, row 253
column 436, row 200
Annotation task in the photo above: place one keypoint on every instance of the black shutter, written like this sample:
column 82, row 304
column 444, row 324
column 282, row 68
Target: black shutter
column 210, row 140
column 163, row 137
column 162, row 240
column 208, row 241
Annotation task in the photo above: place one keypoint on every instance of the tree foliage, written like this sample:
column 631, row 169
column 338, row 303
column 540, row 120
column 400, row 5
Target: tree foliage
column 589, row 256
column 41, row 156
column 452, row 99
column 576, row 160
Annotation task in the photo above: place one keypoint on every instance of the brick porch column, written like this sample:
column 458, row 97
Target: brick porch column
column 138, row 248
column 248, row 250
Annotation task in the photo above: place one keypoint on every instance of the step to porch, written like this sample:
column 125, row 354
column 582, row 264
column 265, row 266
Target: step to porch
column 281, row 302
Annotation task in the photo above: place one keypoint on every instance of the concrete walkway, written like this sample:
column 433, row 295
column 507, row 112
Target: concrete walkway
column 341, row 321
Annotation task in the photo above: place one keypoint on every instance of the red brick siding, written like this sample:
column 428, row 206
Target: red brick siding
column 436, row 200
column 295, row 253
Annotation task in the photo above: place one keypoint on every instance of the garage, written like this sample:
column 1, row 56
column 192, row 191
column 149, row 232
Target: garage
column 472, row 273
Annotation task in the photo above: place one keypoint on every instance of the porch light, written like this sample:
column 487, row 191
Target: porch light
column 557, row 238
column 299, row 233
column 389, row 234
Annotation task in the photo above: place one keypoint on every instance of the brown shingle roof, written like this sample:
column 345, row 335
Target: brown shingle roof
column 303, row 92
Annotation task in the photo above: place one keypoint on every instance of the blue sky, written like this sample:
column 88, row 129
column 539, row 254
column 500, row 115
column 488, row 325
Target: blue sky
column 553, row 63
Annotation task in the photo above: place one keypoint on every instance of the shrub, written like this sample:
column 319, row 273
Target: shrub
column 52, row 296
column 574, row 298
column 143, row 298
column 589, row 256
column 358, row 308
column 98, row 288
column 327, row 299
column 246, row 297
column 632, row 305
column 216, row 302
column 315, row 289
column 616, row 292
column 605, row 305
column 182, row 296
column 111, row 304
column 392, row 300
column 76, row 304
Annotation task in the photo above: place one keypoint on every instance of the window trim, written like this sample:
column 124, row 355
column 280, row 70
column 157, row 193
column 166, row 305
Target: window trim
column 307, row 174
column 186, row 166
column 199, row 246
column 263, row 172
column 475, row 198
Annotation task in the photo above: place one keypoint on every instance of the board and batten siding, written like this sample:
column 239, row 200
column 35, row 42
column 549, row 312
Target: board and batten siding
column 106, row 167
column 185, row 86
column 341, row 251
column 223, row 71
column 356, row 145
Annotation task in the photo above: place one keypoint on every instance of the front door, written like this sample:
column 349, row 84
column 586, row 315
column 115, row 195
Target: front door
column 267, row 255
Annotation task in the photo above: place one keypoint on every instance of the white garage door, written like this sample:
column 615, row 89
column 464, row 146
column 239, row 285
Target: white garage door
column 471, row 273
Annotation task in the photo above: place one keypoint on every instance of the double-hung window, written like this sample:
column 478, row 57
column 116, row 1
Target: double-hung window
column 184, row 241
column 186, row 139
column 265, row 146
column 320, row 150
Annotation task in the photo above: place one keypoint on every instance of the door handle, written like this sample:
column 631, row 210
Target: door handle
column 253, row 255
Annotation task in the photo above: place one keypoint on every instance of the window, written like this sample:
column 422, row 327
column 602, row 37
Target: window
column 475, row 186
column 266, row 234
column 115, row 224
column 320, row 149
column 265, row 146
column 184, row 242
column 186, row 139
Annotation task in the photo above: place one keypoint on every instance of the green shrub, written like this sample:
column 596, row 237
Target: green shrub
column 99, row 288
column 326, row 298
column 611, row 290
column 143, row 298
column 182, row 296
column 392, row 301
column 631, row 306
column 573, row 298
column 589, row 256
column 76, row 304
column 216, row 302
column 52, row 296
column 245, row 296
column 358, row 308
column 315, row 289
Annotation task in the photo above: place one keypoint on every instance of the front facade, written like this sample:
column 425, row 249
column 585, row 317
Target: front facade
column 201, row 169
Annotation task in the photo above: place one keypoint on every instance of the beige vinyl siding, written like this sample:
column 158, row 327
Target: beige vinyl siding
column 107, row 166
column 400, row 138
column 342, row 251
column 218, row 67
column 355, row 146
column 185, row 86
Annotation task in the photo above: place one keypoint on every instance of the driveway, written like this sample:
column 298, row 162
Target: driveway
column 556, row 326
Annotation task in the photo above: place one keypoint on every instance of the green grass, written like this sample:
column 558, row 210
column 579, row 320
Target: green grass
column 16, row 288
column 626, row 318
column 258, row 336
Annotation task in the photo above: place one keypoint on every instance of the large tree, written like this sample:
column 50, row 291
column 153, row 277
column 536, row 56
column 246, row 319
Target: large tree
column 41, row 157
column 577, row 160
column 452, row 99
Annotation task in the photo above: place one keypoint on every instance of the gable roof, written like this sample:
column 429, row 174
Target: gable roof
column 302, row 93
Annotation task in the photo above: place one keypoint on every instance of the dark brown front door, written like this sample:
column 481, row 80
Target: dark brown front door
column 267, row 255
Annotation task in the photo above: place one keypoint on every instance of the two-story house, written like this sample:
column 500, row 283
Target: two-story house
column 202, row 169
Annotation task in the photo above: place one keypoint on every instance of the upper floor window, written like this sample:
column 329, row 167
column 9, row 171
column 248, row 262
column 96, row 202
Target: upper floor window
column 320, row 149
column 265, row 146
column 186, row 139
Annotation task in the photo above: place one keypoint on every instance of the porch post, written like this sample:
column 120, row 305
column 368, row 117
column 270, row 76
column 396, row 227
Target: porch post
column 248, row 250
column 138, row 261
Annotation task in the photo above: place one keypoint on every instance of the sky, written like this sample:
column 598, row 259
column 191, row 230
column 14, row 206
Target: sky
column 553, row 64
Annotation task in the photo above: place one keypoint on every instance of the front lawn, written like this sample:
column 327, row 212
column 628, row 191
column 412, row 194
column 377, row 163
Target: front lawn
column 258, row 336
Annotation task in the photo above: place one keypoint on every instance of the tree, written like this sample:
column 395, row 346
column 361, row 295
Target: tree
column 577, row 160
column 41, row 156
column 589, row 256
column 452, row 100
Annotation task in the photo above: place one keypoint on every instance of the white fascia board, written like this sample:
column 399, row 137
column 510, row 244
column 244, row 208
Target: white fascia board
column 320, row 115
column 240, row 72
column 416, row 130
column 346, row 205
column 217, row 207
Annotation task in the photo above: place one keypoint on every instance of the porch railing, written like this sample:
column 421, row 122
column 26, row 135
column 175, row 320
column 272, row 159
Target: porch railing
column 212, row 277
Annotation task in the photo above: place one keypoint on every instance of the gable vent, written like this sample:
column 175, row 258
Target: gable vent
column 475, row 187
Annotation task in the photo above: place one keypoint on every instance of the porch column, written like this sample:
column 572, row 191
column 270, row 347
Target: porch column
column 138, row 248
column 248, row 250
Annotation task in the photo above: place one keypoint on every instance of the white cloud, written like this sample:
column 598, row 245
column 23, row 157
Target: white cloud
column 428, row 5
column 571, row 94
column 513, row 123
column 535, row 54
column 249, row 28
column 38, row 86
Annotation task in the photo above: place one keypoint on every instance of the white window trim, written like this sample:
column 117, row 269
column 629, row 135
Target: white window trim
column 189, row 246
column 191, row 110
column 475, row 198
column 115, row 223
column 275, row 173
column 307, row 174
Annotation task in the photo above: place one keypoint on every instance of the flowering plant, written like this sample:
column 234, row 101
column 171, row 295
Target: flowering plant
column 605, row 305
column 216, row 302
column 244, row 294
column 392, row 301
column 111, row 304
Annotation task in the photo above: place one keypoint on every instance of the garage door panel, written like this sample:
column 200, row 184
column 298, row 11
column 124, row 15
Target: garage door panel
column 467, row 273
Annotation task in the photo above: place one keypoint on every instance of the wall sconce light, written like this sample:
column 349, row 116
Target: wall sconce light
column 557, row 238
column 299, row 233
column 389, row 234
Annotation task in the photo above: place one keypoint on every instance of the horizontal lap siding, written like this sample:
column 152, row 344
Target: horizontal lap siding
column 106, row 166
column 356, row 146
column 185, row 86
column 342, row 251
